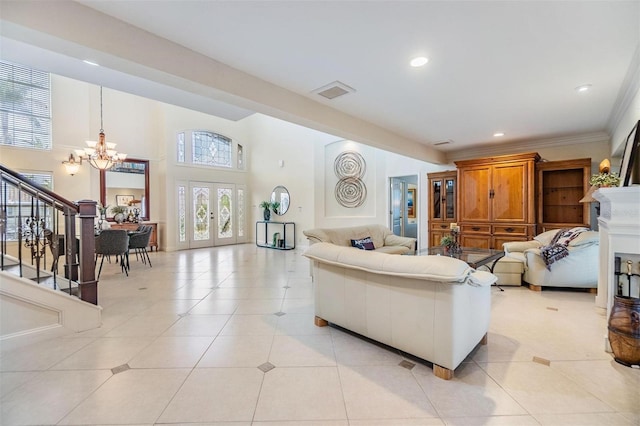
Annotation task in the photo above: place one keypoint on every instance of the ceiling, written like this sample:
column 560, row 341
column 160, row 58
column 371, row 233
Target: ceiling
column 494, row 66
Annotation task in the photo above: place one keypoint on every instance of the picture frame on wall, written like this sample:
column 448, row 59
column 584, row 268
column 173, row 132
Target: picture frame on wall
column 123, row 200
column 411, row 203
column 630, row 167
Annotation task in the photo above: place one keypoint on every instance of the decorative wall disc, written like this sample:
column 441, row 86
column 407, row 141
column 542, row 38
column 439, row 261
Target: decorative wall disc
column 351, row 192
column 350, row 164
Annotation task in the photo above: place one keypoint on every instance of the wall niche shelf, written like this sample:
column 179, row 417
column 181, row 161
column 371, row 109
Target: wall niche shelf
column 275, row 235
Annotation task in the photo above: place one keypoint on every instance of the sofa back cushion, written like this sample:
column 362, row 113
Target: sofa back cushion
column 343, row 236
column 435, row 268
column 585, row 237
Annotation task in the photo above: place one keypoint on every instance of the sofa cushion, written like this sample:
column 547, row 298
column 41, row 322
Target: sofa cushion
column 546, row 237
column 585, row 238
column 363, row 244
column 393, row 249
column 343, row 236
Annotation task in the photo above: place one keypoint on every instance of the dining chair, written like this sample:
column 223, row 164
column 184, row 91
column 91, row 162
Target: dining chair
column 113, row 242
column 138, row 242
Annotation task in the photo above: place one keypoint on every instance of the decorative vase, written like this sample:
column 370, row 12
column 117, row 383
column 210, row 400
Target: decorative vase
column 267, row 214
column 624, row 330
column 119, row 217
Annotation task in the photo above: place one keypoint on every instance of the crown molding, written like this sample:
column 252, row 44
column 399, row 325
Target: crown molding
column 526, row 145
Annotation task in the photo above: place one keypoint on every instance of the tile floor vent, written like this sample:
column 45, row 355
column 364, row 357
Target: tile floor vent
column 333, row 90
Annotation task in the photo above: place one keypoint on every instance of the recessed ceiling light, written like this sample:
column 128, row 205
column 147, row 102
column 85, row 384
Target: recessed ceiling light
column 419, row 61
column 583, row 88
column 90, row 63
column 498, row 134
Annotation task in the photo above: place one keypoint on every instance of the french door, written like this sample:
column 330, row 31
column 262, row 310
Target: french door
column 229, row 217
column 211, row 214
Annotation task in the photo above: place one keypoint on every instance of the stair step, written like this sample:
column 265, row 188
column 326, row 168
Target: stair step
column 46, row 278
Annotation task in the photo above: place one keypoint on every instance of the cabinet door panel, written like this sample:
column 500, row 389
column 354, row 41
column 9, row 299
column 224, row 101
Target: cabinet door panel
column 509, row 192
column 476, row 241
column 499, row 240
column 435, row 237
column 474, row 194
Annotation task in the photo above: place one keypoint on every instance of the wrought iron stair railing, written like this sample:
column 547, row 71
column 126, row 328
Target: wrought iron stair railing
column 38, row 227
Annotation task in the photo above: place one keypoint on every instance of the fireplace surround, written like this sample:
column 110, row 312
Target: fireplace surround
column 619, row 225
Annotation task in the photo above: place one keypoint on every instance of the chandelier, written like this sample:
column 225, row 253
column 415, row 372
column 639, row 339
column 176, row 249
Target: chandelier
column 101, row 155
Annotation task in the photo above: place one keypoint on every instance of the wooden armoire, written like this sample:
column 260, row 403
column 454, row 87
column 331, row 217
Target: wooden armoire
column 496, row 200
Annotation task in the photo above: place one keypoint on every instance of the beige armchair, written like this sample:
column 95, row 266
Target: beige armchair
column 578, row 269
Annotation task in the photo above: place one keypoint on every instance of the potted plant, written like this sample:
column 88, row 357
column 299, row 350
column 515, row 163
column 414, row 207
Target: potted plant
column 447, row 242
column 266, row 213
column 604, row 180
column 118, row 213
column 102, row 210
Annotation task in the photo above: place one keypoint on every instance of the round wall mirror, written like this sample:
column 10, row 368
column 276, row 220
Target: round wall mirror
column 280, row 195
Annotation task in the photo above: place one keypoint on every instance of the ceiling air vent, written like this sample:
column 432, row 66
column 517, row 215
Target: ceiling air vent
column 442, row 142
column 333, row 90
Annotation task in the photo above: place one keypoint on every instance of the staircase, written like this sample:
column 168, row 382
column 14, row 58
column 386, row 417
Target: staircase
column 37, row 236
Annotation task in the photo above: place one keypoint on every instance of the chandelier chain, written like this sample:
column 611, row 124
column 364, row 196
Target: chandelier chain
column 101, row 125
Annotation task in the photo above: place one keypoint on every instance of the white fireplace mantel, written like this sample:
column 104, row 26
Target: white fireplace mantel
column 619, row 224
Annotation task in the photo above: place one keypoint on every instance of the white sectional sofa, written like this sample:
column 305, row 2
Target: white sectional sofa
column 434, row 307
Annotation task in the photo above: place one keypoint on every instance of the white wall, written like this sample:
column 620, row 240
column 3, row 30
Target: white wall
column 276, row 140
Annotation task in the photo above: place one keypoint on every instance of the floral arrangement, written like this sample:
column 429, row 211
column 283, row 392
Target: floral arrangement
column 118, row 209
column 604, row 179
column 448, row 241
column 102, row 209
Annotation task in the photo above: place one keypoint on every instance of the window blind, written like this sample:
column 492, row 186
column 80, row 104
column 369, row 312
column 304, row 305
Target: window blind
column 25, row 107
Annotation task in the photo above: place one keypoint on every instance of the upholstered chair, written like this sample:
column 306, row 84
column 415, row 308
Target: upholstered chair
column 139, row 241
column 113, row 242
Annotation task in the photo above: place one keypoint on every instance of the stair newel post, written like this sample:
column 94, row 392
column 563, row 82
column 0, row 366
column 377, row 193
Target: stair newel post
column 87, row 283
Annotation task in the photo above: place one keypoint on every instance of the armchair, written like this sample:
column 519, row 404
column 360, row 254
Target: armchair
column 578, row 269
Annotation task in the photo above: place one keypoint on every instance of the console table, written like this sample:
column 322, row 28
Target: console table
column 280, row 228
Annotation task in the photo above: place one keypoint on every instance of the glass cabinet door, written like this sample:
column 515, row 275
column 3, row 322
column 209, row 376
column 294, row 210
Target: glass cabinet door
column 450, row 191
column 436, row 199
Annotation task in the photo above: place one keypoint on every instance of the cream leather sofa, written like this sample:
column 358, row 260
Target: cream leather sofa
column 579, row 269
column 434, row 307
column 384, row 240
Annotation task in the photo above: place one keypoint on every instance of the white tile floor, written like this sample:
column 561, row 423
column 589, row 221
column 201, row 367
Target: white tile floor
column 182, row 342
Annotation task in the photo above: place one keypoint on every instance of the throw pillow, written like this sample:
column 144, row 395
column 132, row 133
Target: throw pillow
column 363, row 244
